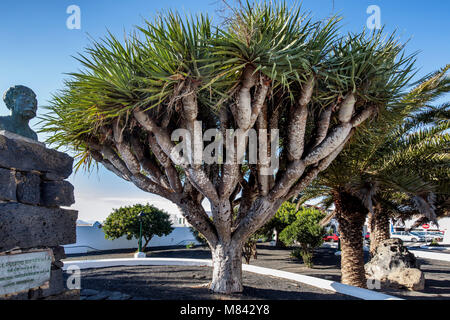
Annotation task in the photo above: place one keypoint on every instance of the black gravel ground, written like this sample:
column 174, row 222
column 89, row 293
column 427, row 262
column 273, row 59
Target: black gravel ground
column 326, row 266
column 188, row 283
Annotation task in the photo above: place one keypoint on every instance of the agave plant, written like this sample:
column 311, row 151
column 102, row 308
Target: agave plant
column 267, row 67
column 396, row 165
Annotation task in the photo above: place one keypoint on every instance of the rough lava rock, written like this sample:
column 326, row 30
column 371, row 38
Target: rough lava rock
column 28, row 188
column 410, row 278
column 393, row 265
column 26, row 226
column 57, row 193
column 7, row 185
column 32, row 191
column 22, row 155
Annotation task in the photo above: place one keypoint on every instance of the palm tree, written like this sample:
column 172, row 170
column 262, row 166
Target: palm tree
column 393, row 165
column 268, row 67
column 423, row 147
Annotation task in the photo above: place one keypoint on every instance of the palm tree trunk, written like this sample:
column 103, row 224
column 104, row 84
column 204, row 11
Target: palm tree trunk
column 379, row 229
column 351, row 215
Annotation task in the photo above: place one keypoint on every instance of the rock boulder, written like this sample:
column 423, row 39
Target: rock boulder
column 407, row 278
column 394, row 266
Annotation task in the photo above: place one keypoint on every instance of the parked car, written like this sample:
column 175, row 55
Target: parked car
column 407, row 236
column 438, row 235
column 429, row 236
column 332, row 238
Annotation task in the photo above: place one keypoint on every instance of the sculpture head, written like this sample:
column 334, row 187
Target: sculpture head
column 21, row 101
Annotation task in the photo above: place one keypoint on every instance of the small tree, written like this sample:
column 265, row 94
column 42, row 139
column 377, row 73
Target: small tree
column 125, row 222
column 307, row 232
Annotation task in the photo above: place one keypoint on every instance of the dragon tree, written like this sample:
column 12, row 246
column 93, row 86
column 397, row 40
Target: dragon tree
column 266, row 71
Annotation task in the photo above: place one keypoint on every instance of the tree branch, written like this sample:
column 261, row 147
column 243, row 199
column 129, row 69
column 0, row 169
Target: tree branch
column 363, row 116
column 323, row 125
column 261, row 210
column 242, row 111
column 97, row 155
column 329, row 144
column 294, row 171
column 197, row 176
column 264, row 153
column 164, row 160
column 141, row 181
column 297, row 124
column 314, row 171
column 150, row 166
column 195, row 214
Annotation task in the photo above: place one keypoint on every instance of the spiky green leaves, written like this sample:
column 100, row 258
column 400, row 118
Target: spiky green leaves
column 158, row 64
column 401, row 155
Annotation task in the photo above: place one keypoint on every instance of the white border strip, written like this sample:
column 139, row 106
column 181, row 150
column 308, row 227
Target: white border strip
column 312, row 281
column 431, row 255
column 334, row 286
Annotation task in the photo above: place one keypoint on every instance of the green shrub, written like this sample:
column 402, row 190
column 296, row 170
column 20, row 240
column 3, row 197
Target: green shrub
column 283, row 218
column 434, row 243
column 306, row 232
column 190, row 245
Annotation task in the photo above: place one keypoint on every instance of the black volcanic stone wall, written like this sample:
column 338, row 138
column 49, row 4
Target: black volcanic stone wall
column 32, row 191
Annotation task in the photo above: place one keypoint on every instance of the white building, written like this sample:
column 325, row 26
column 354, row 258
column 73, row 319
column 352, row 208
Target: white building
column 90, row 238
column 179, row 221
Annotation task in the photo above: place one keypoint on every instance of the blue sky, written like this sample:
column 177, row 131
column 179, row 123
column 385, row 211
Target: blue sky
column 37, row 48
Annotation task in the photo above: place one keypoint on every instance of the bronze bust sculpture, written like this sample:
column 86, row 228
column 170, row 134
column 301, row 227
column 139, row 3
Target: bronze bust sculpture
column 22, row 102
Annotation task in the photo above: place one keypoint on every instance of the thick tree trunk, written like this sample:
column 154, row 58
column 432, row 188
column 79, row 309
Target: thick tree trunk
column 227, row 268
column 351, row 215
column 379, row 229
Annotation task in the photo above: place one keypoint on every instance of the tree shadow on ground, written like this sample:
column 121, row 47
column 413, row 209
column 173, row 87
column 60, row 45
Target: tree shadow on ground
column 185, row 283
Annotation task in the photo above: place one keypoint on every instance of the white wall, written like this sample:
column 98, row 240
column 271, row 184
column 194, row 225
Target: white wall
column 91, row 238
column 444, row 225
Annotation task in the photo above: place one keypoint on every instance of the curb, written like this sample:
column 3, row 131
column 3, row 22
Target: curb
column 333, row 286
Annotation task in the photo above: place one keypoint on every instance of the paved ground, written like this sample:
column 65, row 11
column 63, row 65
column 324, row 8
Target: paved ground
column 327, row 266
column 440, row 249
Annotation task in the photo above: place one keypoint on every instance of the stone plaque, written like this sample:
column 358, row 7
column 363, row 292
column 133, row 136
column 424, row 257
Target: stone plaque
column 20, row 272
